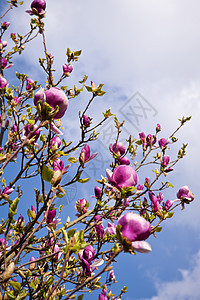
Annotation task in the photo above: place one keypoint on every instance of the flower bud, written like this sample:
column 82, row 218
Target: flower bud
column 54, row 97
column 82, row 206
column 33, row 264
column 55, row 143
column 5, row 25
column 67, row 69
column 29, row 84
column 118, row 148
column 97, row 191
column 163, row 143
column 158, row 128
column 51, row 215
column 86, row 121
column 124, row 161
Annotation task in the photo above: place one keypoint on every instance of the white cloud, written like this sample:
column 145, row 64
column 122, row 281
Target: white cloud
column 187, row 288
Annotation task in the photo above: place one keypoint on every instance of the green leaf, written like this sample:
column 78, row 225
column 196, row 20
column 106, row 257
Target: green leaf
column 16, row 285
column 89, row 89
column 72, row 160
column 71, row 232
column 80, row 297
column 83, row 180
column 47, row 173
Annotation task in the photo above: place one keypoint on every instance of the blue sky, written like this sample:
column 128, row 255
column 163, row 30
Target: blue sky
column 145, row 52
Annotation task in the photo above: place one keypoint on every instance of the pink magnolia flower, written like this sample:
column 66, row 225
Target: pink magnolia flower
column 163, row 143
column 154, row 201
column 34, row 136
column 118, row 148
column 123, row 161
column 158, row 128
column 167, row 205
column 111, row 229
column 111, row 275
column 39, row 6
column 3, row 63
column 86, row 121
column 185, row 195
column 142, row 136
column 122, row 176
column 3, row 82
column 33, row 211
column 97, row 191
column 85, row 154
column 150, row 139
column 55, row 143
column 165, row 161
column 67, row 69
column 59, row 171
column 103, row 296
column 7, row 190
column 99, row 227
column 81, row 206
column 5, row 25
column 134, row 227
column 3, row 44
column 17, row 100
column 33, row 264
column 29, row 83
column 54, row 97
column 51, row 215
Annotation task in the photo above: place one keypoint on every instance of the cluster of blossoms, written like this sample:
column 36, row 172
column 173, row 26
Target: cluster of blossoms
column 126, row 208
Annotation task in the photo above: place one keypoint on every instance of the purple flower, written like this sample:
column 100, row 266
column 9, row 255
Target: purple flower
column 5, row 25
column 118, row 148
column 111, row 229
column 54, row 97
column 2, row 242
column 111, row 275
column 123, row 161
column 140, row 187
column 167, row 205
column 85, row 154
column 3, row 82
column 103, row 296
column 57, row 249
column 67, row 69
column 122, row 176
column 134, row 227
column 51, row 215
column 185, row 195
column 33, row 211
column 142, row 136
column 154, row 202
column 151, row 140
column 39, row 6
column 82, row 206
column 55, row 143
column 163, row 143
column 33, row 264
column 17, row 100
column 99, row 227
column 34, row 136
column 97, row 191
column 29, row 83
column 3, row 62
column 147, row 182
column 7, row 190
column 59, row 171
column 158, row 128
column 141, row 246
column 165, row 161
column 86, row 121
column 89, row 253
column 20, row 221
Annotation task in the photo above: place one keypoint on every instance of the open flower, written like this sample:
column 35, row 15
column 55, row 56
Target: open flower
column 55, row 143
column 34, row 136
column 163, row 143
column 85, row 155
column 54, row 97
column 67, row 69
column 3, row 82
column 122, row 177
column 136, row 229
column 118, row 148
column 185, row 195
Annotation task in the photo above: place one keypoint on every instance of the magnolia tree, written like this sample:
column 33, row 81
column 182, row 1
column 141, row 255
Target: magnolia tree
column 41, row 257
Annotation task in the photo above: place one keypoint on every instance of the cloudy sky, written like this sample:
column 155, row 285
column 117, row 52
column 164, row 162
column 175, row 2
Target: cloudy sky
column 146, row 52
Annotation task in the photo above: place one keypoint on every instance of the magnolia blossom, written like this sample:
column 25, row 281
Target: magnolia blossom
column 85, row 154
column 103, row 296
column 86, row 258
column 51, row 215
column 39, row 6
column 111, row 229
column 86, row 121
column 165, row 161
column 163, row 143
column 59, row 171
column 54, row 97
column 55, row 143
column 33, row 136
column 3, row 82
column 123, row 161
column 67, row 69
column 158, row 128
column 134, row 227
column 81, row 206
column 97, row 191
column 33, row 264
column 99, row 227
column 185, row 195
column 122, row 176
column 29, row 83
column 33, row 211
column 7, row 191
column 150, row 139
column 118, row 148
column 154, row 201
